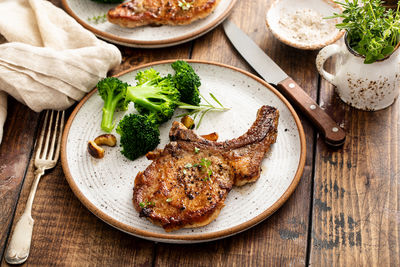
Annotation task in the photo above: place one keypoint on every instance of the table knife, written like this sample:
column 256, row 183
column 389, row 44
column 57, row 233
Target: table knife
column 272, row 73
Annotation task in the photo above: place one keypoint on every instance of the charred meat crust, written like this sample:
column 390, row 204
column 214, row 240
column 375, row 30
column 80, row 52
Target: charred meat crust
column 158, row 12
column 188, row 181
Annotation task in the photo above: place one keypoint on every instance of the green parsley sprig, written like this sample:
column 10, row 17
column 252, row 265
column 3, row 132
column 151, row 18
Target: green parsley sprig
column 372, row 31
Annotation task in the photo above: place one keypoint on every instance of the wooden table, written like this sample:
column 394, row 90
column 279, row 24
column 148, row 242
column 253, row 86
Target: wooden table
column 346, row 209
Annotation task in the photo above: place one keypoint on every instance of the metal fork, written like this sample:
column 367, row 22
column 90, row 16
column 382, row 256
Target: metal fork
column 47, row 152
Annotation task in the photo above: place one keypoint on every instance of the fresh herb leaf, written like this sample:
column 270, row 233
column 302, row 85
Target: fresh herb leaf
column 196, row 150
column 372, row 30
column 206, row 163
column 216, row 100
column 188, row 165
column 147, row 204
column 202, row 109
column 169, row 199
column 184, row 5
column 98, row 19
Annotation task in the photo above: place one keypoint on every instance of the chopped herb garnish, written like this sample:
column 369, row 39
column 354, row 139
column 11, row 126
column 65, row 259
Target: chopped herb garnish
column 196, row 150
column 188, row 165
column 184, row 5
column 169, row 199
column 146, row 204
column 206, row 163
column 98, row 19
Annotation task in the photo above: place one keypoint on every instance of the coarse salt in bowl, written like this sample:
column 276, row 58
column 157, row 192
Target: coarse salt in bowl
column 301, row 23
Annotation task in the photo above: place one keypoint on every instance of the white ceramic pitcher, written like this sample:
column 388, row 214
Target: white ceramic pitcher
column 364, row 86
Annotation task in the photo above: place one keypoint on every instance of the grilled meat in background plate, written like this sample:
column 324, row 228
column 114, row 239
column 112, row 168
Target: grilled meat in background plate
column 160, row 12
column 188, row 181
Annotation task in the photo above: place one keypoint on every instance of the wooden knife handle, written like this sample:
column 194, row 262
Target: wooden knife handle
column 334, row 135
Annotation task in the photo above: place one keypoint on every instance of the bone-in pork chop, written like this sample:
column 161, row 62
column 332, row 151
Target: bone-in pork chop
column 158, row 12
column 188, row 181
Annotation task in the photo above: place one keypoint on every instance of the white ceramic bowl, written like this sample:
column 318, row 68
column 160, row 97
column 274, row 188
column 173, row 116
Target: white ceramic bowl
column 278, row 21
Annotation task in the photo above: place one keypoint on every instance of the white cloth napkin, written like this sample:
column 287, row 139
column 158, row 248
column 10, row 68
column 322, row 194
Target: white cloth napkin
column 49, row 61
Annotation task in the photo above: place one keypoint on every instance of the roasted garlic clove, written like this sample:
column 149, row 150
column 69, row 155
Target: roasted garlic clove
column 188, row 122
column 95, row 150
column 106, row 139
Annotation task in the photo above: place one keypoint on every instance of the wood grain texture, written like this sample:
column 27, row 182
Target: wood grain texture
column 15, row 152
column 65, row 231
column 282, row 239
column 352, row 194
column 69, row 235
column 356, row 202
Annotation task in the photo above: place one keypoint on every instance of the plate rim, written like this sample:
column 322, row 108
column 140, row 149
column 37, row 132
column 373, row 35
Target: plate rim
column 149, row 44
column 171, row 238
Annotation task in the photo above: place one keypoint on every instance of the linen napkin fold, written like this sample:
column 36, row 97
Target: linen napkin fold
column 50, row 61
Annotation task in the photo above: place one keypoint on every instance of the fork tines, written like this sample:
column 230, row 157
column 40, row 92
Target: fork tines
column 48, row 144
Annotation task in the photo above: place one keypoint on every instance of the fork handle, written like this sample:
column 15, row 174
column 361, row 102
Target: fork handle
column 20, row 243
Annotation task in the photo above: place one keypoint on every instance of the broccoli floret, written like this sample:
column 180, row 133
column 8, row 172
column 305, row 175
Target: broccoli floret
column 138, row 135
column 187, row 82
column 154, row 96
column 112, row 91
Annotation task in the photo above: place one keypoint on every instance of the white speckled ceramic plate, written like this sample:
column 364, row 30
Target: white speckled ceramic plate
column 325, row 8
column 105, row 186
column 146, row 36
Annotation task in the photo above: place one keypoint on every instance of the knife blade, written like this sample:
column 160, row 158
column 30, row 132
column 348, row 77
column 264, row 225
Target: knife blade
column 272, row 73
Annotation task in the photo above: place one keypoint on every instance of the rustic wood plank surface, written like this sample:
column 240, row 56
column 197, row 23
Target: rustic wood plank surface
column 15, row 153
column 356, row 202
column 345, row 211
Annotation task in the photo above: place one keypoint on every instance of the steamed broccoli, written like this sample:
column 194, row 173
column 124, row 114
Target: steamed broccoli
column 154, row 96
column 187, row 82
column 138, row 135
column 112, row 91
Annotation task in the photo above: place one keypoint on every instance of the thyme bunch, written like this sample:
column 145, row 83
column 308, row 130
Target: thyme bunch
column 372, row 31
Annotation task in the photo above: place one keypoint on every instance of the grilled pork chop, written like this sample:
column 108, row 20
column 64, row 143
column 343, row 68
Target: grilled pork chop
column 157, row 12
column 188, row 181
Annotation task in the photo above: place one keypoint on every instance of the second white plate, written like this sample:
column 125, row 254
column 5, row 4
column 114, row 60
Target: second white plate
column 146, row 36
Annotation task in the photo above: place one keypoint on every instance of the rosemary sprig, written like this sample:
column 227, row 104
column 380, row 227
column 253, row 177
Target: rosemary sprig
column 201, row 110
column 372, row 31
